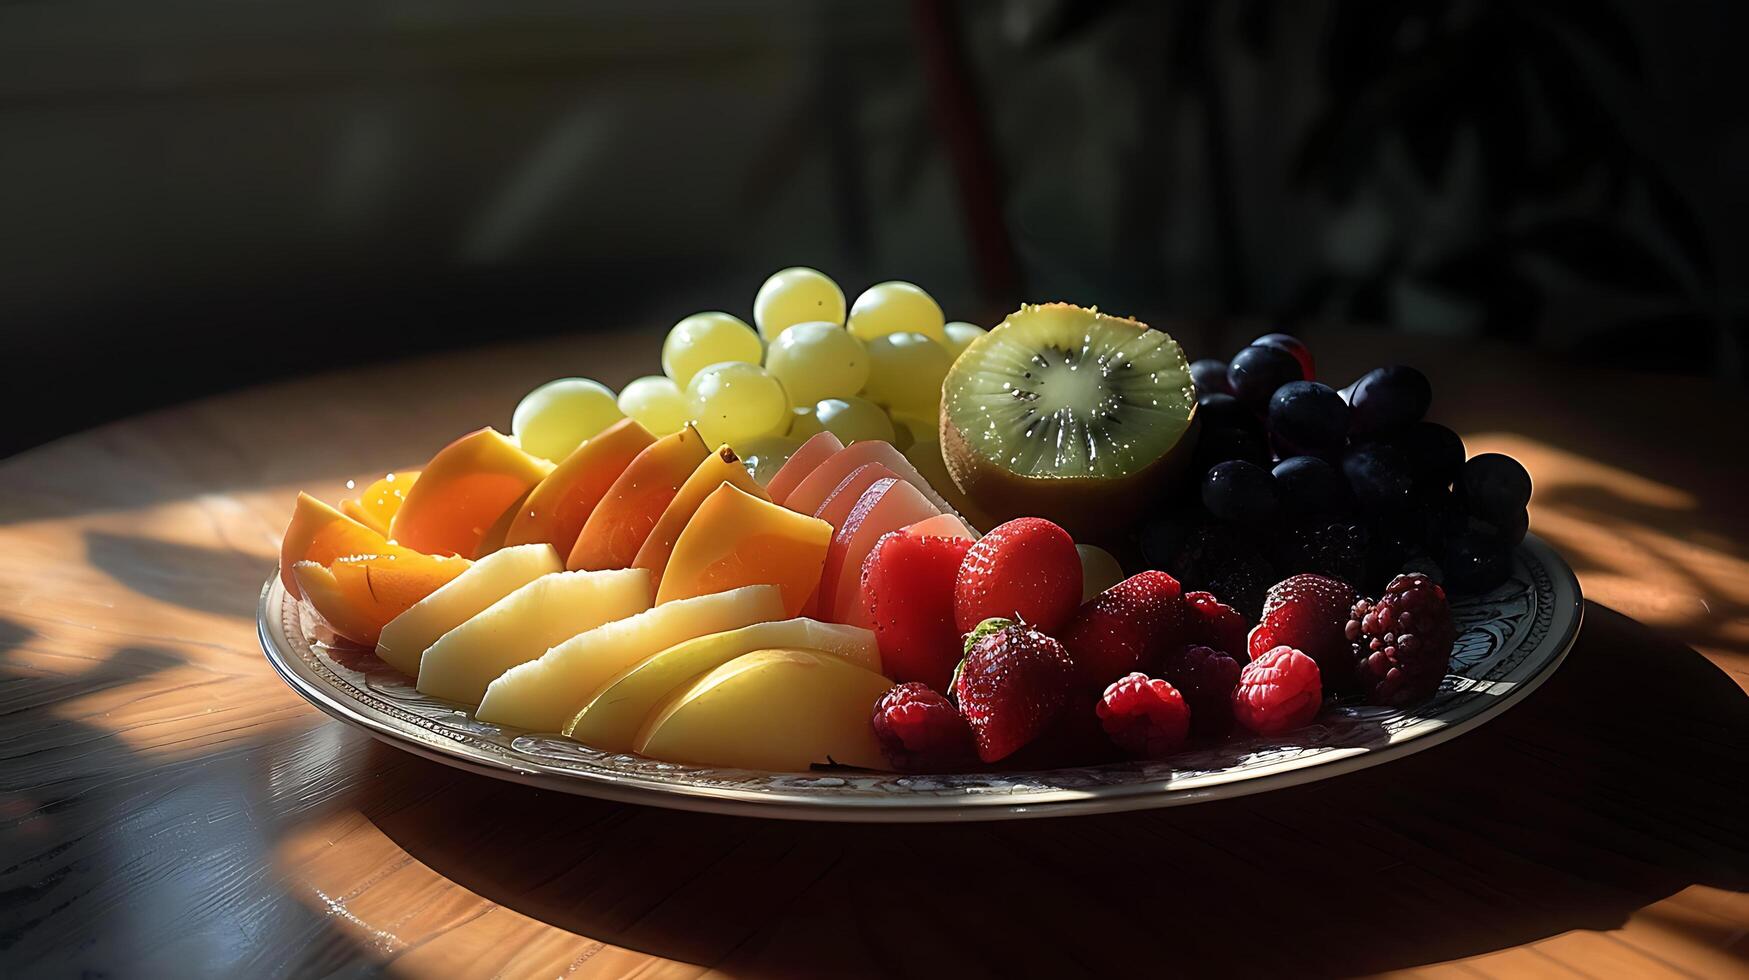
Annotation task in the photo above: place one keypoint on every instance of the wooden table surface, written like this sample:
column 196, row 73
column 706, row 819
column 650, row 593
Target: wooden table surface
column 168, row 807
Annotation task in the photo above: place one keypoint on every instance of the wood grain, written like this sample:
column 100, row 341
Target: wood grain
column 169, row 808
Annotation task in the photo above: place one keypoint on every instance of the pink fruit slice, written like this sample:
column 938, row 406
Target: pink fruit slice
column 813, row 491
column 820, row 447
column 942, row 526
column 842, row 500
column 887, row 505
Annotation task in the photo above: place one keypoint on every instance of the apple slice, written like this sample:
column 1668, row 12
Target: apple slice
column 611, row 719
column 843, row 498
column 888, row 505
column 779, row 710
column 543, row 694
column 813, row 491
column 820, row 447
column 406, row 637
column 942, row 526
column 525, row 624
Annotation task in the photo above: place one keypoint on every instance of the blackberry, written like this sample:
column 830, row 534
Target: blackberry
column 1217, row 558
column 1333, row 548
column 1402, row 641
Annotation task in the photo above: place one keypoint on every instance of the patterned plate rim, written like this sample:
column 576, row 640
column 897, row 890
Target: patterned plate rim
column 1544, row 593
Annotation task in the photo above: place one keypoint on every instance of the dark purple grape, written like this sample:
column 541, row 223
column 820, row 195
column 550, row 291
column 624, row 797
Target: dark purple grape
column 1219, row 443
column 1476, row 563
column 1308, row 418
column 1379, row 478
column 1293, row 345
column 1494, row 487
column 1435, row 453
column 1239, row 491
column 1220, row 409
column 1257, row 371
column 1307, row 485
column 1210, row 376
column 1387, row 399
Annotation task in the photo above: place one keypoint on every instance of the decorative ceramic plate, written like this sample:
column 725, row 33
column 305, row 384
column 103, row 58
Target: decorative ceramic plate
column 1509, row 642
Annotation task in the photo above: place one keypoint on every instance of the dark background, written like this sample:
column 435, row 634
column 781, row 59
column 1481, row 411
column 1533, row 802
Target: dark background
column 199, row 195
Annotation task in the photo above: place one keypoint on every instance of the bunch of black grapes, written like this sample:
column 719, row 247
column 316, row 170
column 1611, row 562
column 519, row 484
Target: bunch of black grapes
column 1296, row 476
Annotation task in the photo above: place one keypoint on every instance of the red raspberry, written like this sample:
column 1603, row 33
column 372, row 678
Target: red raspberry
column 920, row 731
column 1126, row 628
column 1212, row 623
column 1144, row 716
column 1027, row 569
column 1206, row 678
column 1309, row 612
column 1278, row 692
column 907, row 588
column 1401, row 644
column 1011, row 686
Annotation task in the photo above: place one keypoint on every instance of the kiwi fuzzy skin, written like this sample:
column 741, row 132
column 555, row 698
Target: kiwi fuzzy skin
column 1091, row 509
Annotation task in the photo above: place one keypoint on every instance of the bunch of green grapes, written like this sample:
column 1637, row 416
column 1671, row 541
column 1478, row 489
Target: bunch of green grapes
column 809, row 363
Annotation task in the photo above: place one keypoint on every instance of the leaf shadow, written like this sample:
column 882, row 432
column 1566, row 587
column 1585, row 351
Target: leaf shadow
column 212, row 580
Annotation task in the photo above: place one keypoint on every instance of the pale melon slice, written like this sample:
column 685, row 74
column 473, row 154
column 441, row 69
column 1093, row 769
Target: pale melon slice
column 405, row 638
column 779, row 710
column 611, row 719
column 527, row 623
column 543, row 694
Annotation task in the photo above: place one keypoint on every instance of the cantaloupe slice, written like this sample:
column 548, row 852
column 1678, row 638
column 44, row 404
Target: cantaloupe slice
column 375, row 507
column 525, row 624
column 889, row 505
column 612, row 718
column 816, row 450
column 620, row 523
column 406, row 637
column 558, row 508
column 737, row 539
column 463, row 492
column 319, row 533
column 359, row 594
column 543, row 694
column 777, row 710
column 720, row 467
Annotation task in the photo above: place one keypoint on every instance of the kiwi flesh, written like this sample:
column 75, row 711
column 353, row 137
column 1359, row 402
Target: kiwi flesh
column 1069, row 414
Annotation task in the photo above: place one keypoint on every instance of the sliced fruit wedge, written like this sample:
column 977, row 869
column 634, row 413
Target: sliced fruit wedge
column 525, row 624
column 942, row 526
column 813, row 491
column 360, row 594
column 318, row 533
column 620, row 523
column 737, row 539
column 404, row 640
column 612, row 718
column 463, row 492
column 377, row 505
column 889, row 505
column 776, row 710
column 543, row 694
column 558, row 508
column 816, row 450
column 720, row 467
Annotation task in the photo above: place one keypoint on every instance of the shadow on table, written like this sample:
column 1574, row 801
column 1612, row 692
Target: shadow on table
column 1605, row 791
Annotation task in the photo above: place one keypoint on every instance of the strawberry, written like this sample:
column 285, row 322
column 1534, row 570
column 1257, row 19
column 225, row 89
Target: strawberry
column 1027, row 569
column 1309, row 613
column 908, row 589
column 1011, row 686
column 1211, row 623
column 1127, row 628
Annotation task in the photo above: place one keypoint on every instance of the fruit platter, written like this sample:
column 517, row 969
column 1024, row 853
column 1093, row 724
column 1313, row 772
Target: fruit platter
column 852, row 561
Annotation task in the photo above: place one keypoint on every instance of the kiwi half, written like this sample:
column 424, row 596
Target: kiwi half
column 1066, row 413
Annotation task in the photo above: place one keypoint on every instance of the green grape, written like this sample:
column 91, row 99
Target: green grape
column 896, row 307
column 555, row 418
column 912, row 428
column 656, row 402
column 960, row 335
column 817, row 360
column 905, row 372
column 803, row 423
column 703, row 339
column 796, row 295
column 766, row 454
column 854, row 420
column 733, row 402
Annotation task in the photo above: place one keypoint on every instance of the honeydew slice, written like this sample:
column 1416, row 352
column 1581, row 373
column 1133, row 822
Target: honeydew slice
column 779, row 710
column 612, row 718
column 543, row 694
column 405, row 638
column 525, row 624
